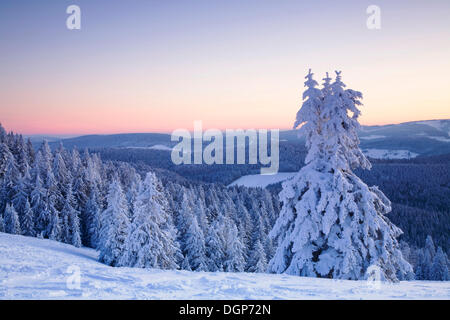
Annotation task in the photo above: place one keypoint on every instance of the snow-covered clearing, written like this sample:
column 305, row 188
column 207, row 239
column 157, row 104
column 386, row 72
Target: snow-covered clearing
column 155, row 147
column 32, row 268
column 389, row 154
column 442, row 139
column 262, row 181
column 372, row 137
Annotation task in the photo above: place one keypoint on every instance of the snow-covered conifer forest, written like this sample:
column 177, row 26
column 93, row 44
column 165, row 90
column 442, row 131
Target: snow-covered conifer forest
column 132, row 219
column 329, row 221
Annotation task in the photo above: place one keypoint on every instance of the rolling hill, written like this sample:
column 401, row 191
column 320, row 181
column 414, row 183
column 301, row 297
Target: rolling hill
column 404, row 140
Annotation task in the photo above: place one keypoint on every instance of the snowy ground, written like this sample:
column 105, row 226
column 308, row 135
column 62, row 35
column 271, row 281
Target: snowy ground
column 372, row 137
column 155, row 147
column 389, row 154
column 262, row 181
column 42, row 269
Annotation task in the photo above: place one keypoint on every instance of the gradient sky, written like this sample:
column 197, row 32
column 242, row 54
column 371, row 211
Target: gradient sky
column 155, row 66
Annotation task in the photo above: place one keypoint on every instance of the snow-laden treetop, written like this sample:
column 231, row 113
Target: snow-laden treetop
column 329, row 120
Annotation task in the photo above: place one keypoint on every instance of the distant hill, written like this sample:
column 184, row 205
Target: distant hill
column 419, row 138
column 404, row 140
column 125, row 140
column 38, row 139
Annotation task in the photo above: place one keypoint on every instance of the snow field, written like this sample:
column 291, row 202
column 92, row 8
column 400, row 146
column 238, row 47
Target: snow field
column 32, row 268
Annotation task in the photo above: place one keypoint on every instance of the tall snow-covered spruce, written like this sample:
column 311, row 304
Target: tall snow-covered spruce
column 114, row 223
column 151, row 239
column 333, row 225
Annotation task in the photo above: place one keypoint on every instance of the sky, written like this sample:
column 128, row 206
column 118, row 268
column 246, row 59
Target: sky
column 156, row 66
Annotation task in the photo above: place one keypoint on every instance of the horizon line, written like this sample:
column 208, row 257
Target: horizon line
column 74, row 135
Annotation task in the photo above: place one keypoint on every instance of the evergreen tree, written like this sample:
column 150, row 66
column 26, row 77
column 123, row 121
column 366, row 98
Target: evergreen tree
column 421, row 268
column 234, row 260
column 12, row 224
column 3, row 134
column 185, row 264
column 195, row 246
column 62, row 177
column 70, row 221
column 92, row 222
column 75, row 161
column 150, row 243
column 30, row 151
column 430, row 249
column 21, row 194
column 9, row 182
column 23, row 162
column 27, row 221
column 439, row 269
column 54, row 230
column 46, row 153
column 331, row 223
column 113, row 226
column 191, row 236
column 80, row 189
column 258, row 238
column 5, row 156
column 38, row 205
column 214, row 247
column 257, row 261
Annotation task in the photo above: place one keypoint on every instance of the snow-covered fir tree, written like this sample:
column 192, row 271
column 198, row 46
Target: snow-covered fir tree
column 114, row 223
column 55, row 231
column 192, row 241
column 91, row 219
column 430, row 249
column 38, row 203
column 21, row 193
column 27, row 220
column 425, row 259
column 151, row 241
column 11, row 220
column 11, row 177
column 70, row 220
column 331, row 223
column 234, row 259
column 439, row 269
column 258, row 260
column 2, row 224
column 214, row 245
column 5, row 156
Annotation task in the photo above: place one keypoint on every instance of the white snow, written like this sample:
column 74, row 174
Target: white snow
column 155, row 147
column 262, row 181
column 161, row 147
column 442, row 139
column 389, row 154
column 32, row 268
column 372, row 137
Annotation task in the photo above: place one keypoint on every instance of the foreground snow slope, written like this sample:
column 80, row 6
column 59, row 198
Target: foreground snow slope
column 31, row 268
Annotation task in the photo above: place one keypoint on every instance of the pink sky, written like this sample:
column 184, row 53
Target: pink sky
column 158, row 67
